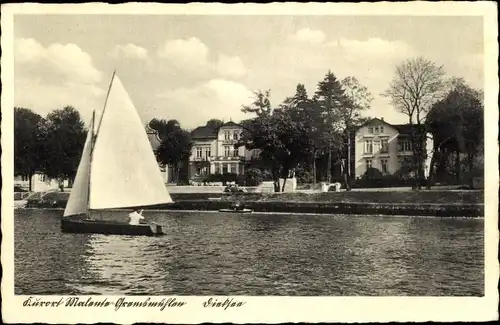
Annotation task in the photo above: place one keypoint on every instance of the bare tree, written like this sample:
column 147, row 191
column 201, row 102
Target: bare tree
column 416, row 86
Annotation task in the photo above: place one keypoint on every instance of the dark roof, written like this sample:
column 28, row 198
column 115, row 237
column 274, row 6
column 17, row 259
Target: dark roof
column 407, row 128
column 402, row 128
column 204, row 132
column 230, row 123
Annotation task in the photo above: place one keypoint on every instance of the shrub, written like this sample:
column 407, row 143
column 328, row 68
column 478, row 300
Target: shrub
column 266, row 175
column 373, row 173
column 253, row 177
column 303, row 176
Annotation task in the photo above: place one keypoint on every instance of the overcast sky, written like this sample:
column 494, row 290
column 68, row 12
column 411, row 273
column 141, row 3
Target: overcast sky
column 193, row 68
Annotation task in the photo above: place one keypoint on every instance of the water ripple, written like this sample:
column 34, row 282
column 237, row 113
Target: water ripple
column 212, row 254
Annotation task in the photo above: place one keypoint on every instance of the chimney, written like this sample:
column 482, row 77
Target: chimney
column 382, row 118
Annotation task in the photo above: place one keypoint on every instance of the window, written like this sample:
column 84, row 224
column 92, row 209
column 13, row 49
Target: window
column 381, row 129
column 217, row 169
column 368, row 163
column 224, row 168
column 227, row 135
column 198, row 152
column 376, row 146
column 383, row 163
column 370, row 130
column 236, row 135
column 376, row 130
column 208, row 153
column 368, row 146
column 227, row 151
column 384, row 145
column 235, row 152
column 405, row 146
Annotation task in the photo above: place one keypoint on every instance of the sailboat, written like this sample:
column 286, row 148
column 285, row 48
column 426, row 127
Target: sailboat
column 117, row 170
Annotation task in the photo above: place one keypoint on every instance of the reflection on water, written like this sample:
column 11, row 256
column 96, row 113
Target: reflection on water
column 258, row 254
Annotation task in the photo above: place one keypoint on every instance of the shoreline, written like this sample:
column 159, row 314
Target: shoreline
column 315, row 208
column 281, row 213
column 440, row 204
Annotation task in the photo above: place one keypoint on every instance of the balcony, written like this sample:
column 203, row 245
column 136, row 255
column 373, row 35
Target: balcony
column 405, row 153
column 229, row 141
column 202, row 159
column 230, row 158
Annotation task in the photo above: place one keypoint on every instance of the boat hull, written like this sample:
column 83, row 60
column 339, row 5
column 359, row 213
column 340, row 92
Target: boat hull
column 106, row 227
column 236, row 211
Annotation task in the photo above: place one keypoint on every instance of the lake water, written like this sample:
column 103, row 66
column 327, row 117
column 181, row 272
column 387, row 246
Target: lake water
column 258, row 254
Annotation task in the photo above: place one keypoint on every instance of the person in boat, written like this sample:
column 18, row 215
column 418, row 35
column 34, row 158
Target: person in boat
column 237, row 206
column 136, row 217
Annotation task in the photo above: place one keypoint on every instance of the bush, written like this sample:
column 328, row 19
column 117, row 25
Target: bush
column 224, row 178
column 303, row 176
column 253, row 177
column 266, row 175
column 373, row 173
column 382, row 181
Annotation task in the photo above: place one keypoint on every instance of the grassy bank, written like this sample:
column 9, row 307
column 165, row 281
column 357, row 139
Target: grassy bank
column 435, row 197
column 435, row 203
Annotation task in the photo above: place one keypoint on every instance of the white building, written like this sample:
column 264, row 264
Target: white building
column 39, row 182
column 213, row 151
column 384, row 146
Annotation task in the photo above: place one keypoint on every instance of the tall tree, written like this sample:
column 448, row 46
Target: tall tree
column 282, row 142
column 331, row 99
column 456, row 124
column 261, row 106
column 26, row 142
column 163, row 126
column 214, row 123
column 175, row 146
column 63, row 137
column 359, row 100
column 418, row 83
column 307, row 113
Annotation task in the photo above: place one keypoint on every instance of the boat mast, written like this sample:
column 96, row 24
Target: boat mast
column 90, row 162
column 105, row 102
column 94, row 137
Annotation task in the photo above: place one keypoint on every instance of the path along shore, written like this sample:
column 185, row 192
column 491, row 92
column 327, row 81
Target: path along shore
column 412, row 203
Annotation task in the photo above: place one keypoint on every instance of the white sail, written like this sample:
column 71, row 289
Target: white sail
column 77, row 202
column 124, row 171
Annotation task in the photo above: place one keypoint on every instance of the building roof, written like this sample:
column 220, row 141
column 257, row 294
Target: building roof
column 207, row 132
column 204, row 132
column 406, row 128
column 230, row 123
column 402, row 128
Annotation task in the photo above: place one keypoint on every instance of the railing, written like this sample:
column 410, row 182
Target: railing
column 202, row 158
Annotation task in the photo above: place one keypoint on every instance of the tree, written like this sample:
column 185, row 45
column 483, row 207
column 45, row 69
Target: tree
column 418, row 83
column 175, row 146
column 456, row 125
column 282, row 142
column 330, row 99
column 261, row 105
column 63, row 137
column 164, row 127
column 214, row 123
column 307, row 112
column 26, row 142
column 359, row 100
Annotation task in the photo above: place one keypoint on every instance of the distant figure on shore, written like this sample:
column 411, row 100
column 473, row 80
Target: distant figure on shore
column 135, row 217
column 236, row 206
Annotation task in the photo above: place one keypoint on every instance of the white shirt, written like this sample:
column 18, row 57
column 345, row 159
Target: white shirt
column 135, row 218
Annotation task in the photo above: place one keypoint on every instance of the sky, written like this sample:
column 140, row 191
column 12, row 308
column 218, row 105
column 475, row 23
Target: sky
column 196, row 67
